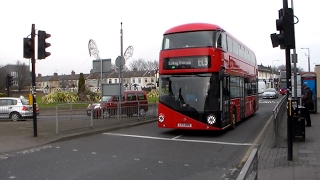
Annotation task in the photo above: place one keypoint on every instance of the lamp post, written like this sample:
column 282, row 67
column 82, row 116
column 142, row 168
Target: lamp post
column 273, row 71
column 308, row 58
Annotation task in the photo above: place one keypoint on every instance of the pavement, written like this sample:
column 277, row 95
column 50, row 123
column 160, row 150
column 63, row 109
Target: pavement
column 273, row 161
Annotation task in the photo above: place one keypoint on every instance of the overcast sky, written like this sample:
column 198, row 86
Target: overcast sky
column 73, row 23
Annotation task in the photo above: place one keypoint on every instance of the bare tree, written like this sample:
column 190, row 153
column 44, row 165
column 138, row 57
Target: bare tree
column 152, row 65
column 139, row 64
column 114, row 67
column 283, row 68
column 22, row 75
column 125, row 68
column 142, row 65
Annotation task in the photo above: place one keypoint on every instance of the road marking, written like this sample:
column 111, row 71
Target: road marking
column 254, row 143
column 180, row 140
column 267, row 102
column 177, row 137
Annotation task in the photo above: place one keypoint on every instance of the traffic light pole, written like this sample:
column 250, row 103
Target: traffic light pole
column 289, row 117
column 34, row 103
column 7, row 85
column 288, row 74
column 8, row 91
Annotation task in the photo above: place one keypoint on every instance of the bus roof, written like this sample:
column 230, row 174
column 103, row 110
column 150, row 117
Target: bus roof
column 201, row 27
column 193, row 27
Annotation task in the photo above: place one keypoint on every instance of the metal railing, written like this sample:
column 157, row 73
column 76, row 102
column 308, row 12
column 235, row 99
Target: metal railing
column 250, row 168
column 72, row 116
column 277, row 116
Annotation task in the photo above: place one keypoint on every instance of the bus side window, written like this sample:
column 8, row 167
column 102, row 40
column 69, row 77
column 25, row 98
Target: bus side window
column 219, row 40
column 224, row 41
column 229, row 44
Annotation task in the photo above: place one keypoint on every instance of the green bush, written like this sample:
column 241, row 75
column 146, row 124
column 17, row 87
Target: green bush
column 153, row 94
column 3, row 95
column 60, row 97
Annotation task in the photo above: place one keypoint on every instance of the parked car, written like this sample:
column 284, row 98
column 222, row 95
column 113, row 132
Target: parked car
column 37, row 107
column 270, row 93
column 133, row 102
column 15, row 108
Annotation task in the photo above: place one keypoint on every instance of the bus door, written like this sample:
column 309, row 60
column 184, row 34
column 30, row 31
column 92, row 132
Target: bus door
column 225, row 92
column 242, row 99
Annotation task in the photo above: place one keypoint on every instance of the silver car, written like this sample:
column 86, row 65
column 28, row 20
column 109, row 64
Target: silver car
column 15, row 108
column 270, row 93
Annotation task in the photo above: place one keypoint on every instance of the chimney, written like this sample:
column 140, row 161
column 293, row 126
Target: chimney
column 91, row 71
column 55, row 74
column 135, row 69
column 73, row 73
column 39, row 75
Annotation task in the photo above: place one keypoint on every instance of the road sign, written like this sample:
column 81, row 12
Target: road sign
column 120, row 61
column 106, row 65
column 112, row 89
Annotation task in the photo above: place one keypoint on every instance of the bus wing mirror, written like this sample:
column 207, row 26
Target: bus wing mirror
column 221, row 73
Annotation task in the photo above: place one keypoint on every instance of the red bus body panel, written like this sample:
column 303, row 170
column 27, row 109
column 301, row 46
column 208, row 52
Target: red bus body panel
column 233, row 66
column 176, row 118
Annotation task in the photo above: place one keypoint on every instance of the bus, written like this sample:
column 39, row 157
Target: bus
column 283, row 83
column 207, row 79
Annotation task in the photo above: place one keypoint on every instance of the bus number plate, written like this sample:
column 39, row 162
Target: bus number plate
column 184, row 125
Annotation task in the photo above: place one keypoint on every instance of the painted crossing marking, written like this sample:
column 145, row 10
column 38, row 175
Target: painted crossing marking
column 179, row 140
column 268, row 102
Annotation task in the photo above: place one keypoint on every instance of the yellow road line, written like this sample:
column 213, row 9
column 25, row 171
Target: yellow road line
column 254, row 143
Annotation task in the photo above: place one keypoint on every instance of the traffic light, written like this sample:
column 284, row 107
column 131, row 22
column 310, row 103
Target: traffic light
column 27, row 48
column 42, row 44
column 285, row 26
column 9, row 80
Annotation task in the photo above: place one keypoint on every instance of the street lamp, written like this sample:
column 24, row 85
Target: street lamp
column 308, row 58
column 273, row 70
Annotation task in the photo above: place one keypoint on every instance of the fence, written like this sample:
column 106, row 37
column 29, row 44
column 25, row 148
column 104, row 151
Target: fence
column 277, row 115
column 250, row 168
column 73, row 116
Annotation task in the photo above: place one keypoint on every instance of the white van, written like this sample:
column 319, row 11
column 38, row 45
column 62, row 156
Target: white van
column 261, row 87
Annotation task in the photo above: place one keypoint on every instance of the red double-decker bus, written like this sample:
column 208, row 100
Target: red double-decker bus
column 207, row 79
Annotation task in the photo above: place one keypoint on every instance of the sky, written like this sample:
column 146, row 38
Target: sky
column 73, row 23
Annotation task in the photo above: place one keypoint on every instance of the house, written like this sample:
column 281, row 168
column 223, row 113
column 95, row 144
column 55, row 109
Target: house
column 57, row 82
column 267, row 75
column 131, row 79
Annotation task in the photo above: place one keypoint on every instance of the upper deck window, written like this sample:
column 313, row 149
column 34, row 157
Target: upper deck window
column 189, row 40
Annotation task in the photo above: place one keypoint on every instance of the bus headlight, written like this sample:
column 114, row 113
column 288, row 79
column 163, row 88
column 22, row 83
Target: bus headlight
column 161, row 118
column 211, row 119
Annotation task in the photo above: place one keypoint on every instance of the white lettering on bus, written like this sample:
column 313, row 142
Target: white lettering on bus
column 177, row 63
column 203, row 62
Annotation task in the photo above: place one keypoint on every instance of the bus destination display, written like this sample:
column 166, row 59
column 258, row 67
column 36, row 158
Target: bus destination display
column 196, row 62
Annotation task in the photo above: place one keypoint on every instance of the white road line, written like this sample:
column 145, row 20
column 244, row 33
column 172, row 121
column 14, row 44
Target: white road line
column 177, row 137
column 180, row 140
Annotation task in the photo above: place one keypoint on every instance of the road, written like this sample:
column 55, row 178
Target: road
column 141, row 152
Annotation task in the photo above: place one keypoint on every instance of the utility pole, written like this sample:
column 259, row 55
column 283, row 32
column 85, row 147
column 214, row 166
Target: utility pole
column 294, row 61
column 286, row 40
column 33, row 83
column 120, row 68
